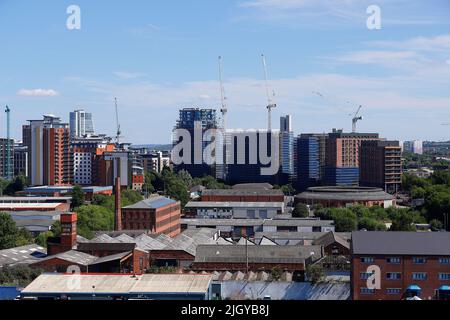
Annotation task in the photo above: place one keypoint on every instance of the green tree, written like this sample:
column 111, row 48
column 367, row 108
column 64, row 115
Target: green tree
column 21, row 275
column 436, row 225
column 148, row 186
column 371, row 224
column 94, row 218
column 288, row 189
column 300, row 211
column 18, row 184
column 10, row 235
column 77, row 197
column 315, row 273
column 185, row 177
column 345, row 220
column 403, row 221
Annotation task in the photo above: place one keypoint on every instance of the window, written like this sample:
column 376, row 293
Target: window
column 444, row 276
column 367, row 259
column 419, row 260
column 393, row 290
column 365, row 275
column 419, row 276
column 366, row 291
column 393, row 275
column 393, row 260
column 444, row 260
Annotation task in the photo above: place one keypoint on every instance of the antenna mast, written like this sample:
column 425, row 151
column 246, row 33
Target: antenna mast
column 223, row 98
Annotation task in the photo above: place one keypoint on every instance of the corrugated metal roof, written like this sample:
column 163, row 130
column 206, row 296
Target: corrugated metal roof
column 22, row 255
column 298, row 222
column 242, row 192
column 224, row 204
column 118, row 284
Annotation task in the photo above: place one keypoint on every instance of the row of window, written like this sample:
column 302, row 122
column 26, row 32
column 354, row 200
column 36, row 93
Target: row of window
column 388, row 291
column 398, row 276
column 397, row 260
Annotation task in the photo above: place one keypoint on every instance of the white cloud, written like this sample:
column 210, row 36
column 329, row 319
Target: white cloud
column 37, row 92
column 128, row 75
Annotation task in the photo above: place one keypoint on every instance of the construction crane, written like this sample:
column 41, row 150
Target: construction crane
column 223, row 98
column 118, row 132
column 8, row 173
column 355, row 119
column 270, row 103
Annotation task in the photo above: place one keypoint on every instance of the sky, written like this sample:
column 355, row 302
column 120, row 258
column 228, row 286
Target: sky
column 159, row 56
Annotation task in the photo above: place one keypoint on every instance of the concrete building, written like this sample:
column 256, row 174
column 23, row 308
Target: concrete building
column 50, row 161
column 155, row 161
column 381, row 165
column 81, row 124
column 120, row 287
column 35, row 222
column 245, row 153
column 6, row 173
column 409, row 264
column 156, row 214
column 65, row 191
column 237, row 228
column 84, row 151
column 342, row 157
column 413, row 146
column 243, row 195
column 345, row 196
column 17, row 204
column 195, row 120
column 21, row 155
column 287, row 147
column 242, row 210
column 110, row 165
column 308, row 165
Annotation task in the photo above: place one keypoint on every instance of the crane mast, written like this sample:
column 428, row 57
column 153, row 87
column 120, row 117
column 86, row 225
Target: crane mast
column 8, row 165
column 118, row 131
column 356, row 118
column 270, row 103
column 223, row 98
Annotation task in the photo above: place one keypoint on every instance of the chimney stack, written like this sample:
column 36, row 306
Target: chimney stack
column 118, row 207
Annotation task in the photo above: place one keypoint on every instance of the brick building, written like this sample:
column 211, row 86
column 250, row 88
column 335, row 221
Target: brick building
column 156, row 214
column 342, row 157
column 380, row 165
column 410, row 264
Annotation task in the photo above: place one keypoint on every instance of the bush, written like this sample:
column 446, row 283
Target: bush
column 315, row 273
column 300, row 211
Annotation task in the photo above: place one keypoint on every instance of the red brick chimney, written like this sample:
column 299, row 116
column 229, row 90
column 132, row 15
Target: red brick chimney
column 118, row 207
column 68, row 237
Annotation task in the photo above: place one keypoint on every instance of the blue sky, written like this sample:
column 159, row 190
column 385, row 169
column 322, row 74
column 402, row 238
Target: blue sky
column 159, row 56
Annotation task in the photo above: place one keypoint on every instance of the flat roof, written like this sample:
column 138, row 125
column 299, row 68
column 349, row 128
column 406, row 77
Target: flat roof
column 33, row 199
column 118, row 284
column 257, row 222
column 236, row 204
column 242, row 192
column 65, row 189
column 344, row 194
column 401, row 243
column 39, row 205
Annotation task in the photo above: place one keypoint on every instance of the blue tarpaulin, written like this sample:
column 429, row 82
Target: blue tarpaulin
column 9, row 293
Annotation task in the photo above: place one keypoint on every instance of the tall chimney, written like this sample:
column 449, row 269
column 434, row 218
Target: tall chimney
column 118, row 207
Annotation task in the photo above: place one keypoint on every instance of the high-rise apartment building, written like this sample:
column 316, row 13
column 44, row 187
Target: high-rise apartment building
column 81, row 124
column 381, row 165
column 413, row 146
column 308, row 165
column 84, row 151
column 195, row 120
column 287, row 147
column 342, row 157
column 49, row 161
column 6, row 167
column 21, row 160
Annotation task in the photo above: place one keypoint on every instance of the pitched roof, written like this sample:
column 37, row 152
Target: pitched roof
column 329, row 238
column 256, row 254
column 151, row 203
column 401, row 243
column 22, row 255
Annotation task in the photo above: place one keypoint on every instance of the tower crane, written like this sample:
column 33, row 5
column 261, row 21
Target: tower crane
column 8, row 172
column 118, row 131
column 356, row 118
column 223, row 98
column 270, row 103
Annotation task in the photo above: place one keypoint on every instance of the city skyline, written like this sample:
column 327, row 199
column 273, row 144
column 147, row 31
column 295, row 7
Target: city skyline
column 157, row 59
